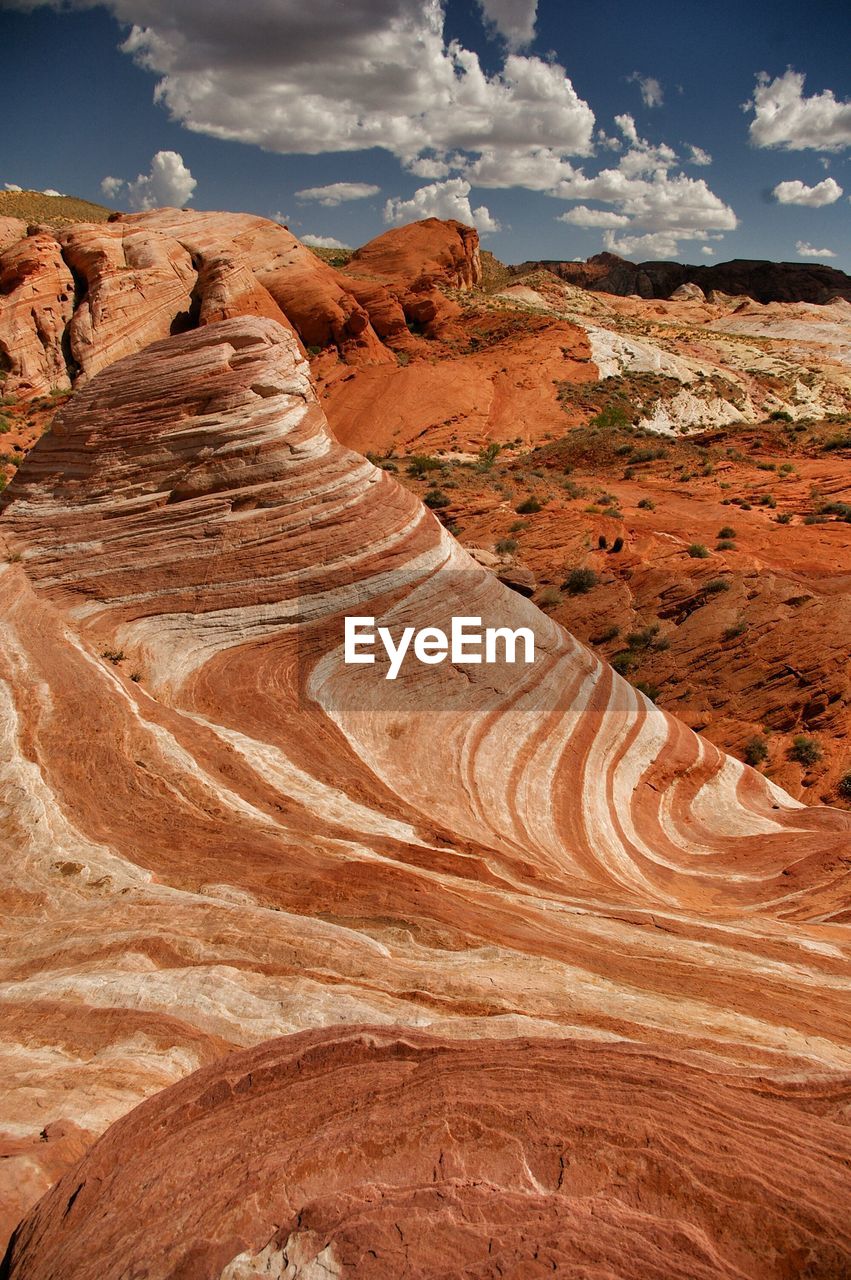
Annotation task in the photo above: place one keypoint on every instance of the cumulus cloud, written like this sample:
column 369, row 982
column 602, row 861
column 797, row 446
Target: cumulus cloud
column 12, row 186
column 514, row 20
column 336, row 192
column 805, row 250
column 651, row 90
column 450, row 199
column 168, row 183
column 310, row 79
column 698, row 156
column 707, row 250
column 784, row 117
column 323, row 242
column 795, row 192
column 582, row 216
column 659, row 205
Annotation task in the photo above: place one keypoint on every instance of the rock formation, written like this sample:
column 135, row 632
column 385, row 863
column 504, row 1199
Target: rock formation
column 215, row 832
column 371, row 1153
column 763, row 281
column 423, row 253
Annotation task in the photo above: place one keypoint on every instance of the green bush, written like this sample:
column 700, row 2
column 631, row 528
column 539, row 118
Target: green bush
column 650, row 691
column 506, row 547
column 843, row 786
column 549, row 597
column 529, row 506
column 805, row 750
column 647, row 504
column 698, row 551
column 725, row 545
column 714, row 585
column 436, row 499
column 755, row 752
column 580, row 581
column 727, row 532
column 737, row 629
column 420, row 463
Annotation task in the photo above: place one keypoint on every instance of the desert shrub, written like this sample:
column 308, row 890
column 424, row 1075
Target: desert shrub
column 610, row 633
column 837, row 442
column 755, row 752
column 612, row 416
column 768, row 500
column 644, row 638
column 549, row 597
column 624, row 662
column 714, row 585
column 784, row 518
column 843, row 786
column 737, row 629
column 506, row 547
column 805, row 750
column 529, row 506
column 646, row 455
column 725, row 545
column 573, row 490
column 780, row 415
column 580, row 581
column 650, row 691
column 613, row 512
column 518, row 526
column 647, row 504
column 113, row 655
column 698, row 551
column 727, row 532
column 841, row 509
column 436, row 499
column 420, row 463
column 488, row 455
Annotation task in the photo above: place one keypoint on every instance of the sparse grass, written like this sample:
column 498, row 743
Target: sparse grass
column 716, row 585
column 737, row 629
column 727, row 532
column 698, row 551
column 436, row 499
column 647, row 504
column 549, row 597
column 420, row 463
column 506, row 547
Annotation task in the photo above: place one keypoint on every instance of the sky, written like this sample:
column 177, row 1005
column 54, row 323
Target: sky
column 672, row 130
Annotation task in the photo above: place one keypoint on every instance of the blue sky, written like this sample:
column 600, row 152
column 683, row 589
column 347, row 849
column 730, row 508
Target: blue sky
column 559, row 130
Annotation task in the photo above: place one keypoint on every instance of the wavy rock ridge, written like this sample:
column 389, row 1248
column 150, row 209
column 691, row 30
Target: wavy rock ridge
column 216, row 833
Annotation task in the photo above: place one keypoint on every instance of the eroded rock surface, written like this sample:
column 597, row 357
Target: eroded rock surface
column 376, row 1153
column 214, row 832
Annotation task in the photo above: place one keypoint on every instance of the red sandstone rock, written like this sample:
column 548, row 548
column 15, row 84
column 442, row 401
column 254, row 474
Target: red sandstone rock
column 250, row 839
column 376, row 1153
column 36, row 304
column 422, row 253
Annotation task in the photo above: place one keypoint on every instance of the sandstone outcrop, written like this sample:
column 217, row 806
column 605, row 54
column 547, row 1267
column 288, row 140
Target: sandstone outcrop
column 215, row 832
column 421, row 254
column 36, row 305
column 372, row 1153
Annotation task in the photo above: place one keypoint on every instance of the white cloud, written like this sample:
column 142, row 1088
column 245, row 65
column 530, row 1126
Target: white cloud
column 51, row 191
column 651, row 89
column 296, row 78
column 795, row 192
column 283, row 218
column 323, row 242
column 168, row 183
column 450, row 199
column 12, row 186
column 336, row 192
column 707, row 250
column 805, row 250
column 783, row 117
column 659, row 206
column 698, row 156
column 514, row 20
column 582, row 216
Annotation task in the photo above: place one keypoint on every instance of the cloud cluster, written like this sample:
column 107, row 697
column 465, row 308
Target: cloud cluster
column 796, row 192
column 784, row 117
column 336, row 192
column 513, row 20
column 323, row 242
column 805, row 250
column 169, row 182
column 450, row 199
